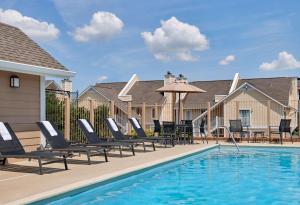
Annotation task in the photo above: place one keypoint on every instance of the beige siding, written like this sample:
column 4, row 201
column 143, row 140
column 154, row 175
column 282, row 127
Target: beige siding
column 21, row 107
column 257, row 104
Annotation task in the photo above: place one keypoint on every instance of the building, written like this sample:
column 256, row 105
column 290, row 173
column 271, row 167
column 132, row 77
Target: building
column 24, row 65
column 259, row 102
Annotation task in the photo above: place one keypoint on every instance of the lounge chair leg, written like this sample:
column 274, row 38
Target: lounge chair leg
column 3, row 161
column 105, row 155
column 40, row 166
column 132, row 148
column 65, row 162
column 153, row 145
column 144, row 146
column 88, row 157
column 120, row 148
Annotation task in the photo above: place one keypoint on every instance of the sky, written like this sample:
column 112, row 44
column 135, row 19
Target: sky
column 110, row 40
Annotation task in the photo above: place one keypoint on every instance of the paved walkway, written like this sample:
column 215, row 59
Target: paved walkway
column 20, row 184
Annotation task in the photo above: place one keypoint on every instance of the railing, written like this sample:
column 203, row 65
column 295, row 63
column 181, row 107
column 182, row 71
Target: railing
column 232, row 138
column 256, row 114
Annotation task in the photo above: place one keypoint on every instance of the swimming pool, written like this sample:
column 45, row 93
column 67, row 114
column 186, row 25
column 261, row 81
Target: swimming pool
column 255, row 176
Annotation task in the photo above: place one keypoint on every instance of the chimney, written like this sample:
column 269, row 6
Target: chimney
column 169, row 78
column 181, row 78
column 66, row 85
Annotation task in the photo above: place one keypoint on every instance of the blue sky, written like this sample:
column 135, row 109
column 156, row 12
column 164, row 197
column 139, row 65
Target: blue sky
column 249, row 33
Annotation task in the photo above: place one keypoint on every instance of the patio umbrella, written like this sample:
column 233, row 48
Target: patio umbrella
column 180, row 87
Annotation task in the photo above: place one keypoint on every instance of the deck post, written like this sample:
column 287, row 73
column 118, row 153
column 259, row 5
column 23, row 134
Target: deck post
column 92, row 112
column 144, row 115
column 208, row 120
column 129, row 112
column 268, row 118
column 67, row 113
column 112, row 109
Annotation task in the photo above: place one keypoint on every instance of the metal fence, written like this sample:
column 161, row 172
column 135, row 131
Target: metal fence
column 64, row 110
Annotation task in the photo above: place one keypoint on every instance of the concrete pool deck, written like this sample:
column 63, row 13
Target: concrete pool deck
column 21, row 184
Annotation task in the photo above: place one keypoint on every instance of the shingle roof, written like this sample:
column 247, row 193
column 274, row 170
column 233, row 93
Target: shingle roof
column 16, row 46
column 111, row 91
column 212, row 88
column 145, row 91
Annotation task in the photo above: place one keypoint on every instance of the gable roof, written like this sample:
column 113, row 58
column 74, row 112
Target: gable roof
column 17, row 47
column 277, row 88
column 111, row 91
column 145, row 91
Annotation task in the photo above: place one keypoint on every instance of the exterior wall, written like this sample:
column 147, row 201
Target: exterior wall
column 20, row 107
column 91, row 94
column 257, row 104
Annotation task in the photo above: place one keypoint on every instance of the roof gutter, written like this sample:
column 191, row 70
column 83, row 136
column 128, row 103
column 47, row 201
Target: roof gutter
column 35, row 70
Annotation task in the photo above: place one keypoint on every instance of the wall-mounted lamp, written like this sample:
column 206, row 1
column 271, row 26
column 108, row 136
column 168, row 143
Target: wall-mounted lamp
column 14, row 81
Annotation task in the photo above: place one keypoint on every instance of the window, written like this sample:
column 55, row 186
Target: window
column 245, row 117
column 188, row 115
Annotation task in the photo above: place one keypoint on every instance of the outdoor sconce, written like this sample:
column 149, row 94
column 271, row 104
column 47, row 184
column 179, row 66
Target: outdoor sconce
column 14, row 81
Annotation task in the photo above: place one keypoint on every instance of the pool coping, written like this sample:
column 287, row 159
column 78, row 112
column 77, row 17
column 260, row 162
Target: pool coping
column 106, row 178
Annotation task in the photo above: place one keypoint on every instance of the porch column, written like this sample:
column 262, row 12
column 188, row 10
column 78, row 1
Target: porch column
column 268, row 118
column 129, row 111
column 42, row 107
column 112, row 109
column 144, row 115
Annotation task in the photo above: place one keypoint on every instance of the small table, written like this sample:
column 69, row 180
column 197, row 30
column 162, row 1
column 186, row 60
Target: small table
column 261, row 133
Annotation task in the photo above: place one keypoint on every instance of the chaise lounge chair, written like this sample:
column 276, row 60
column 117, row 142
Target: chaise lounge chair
column 10, row 147
column 58, row 143
column 94, row 140
column 118, row 135
column 142, row 135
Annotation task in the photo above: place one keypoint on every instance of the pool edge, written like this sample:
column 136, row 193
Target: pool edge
column 107, row 177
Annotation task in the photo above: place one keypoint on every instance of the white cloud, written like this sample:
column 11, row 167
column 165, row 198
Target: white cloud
column 102, row 26
column 175, row 40
column 285, row 61
column 228, row 59
column 102, row 78
column 38, row 30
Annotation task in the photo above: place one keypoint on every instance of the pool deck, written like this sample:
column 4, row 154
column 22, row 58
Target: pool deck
column 21, row 184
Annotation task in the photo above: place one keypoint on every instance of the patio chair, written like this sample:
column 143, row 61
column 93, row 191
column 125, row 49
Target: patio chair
column 284, row 127
column 94, row 140
column 58, row 143
column 142, row 135
column 236, row 126
column 188, row 129
column 203, row 134
column 118, row 135
column 157, row 127
column 10, row 147
column 169, row 129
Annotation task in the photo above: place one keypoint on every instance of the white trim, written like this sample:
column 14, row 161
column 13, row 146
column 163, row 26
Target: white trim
column 42, row 107
column 34, row 70
column 234, row 83
column 123, row 94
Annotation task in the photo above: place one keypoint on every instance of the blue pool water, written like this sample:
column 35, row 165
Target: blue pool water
column 256, row 176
